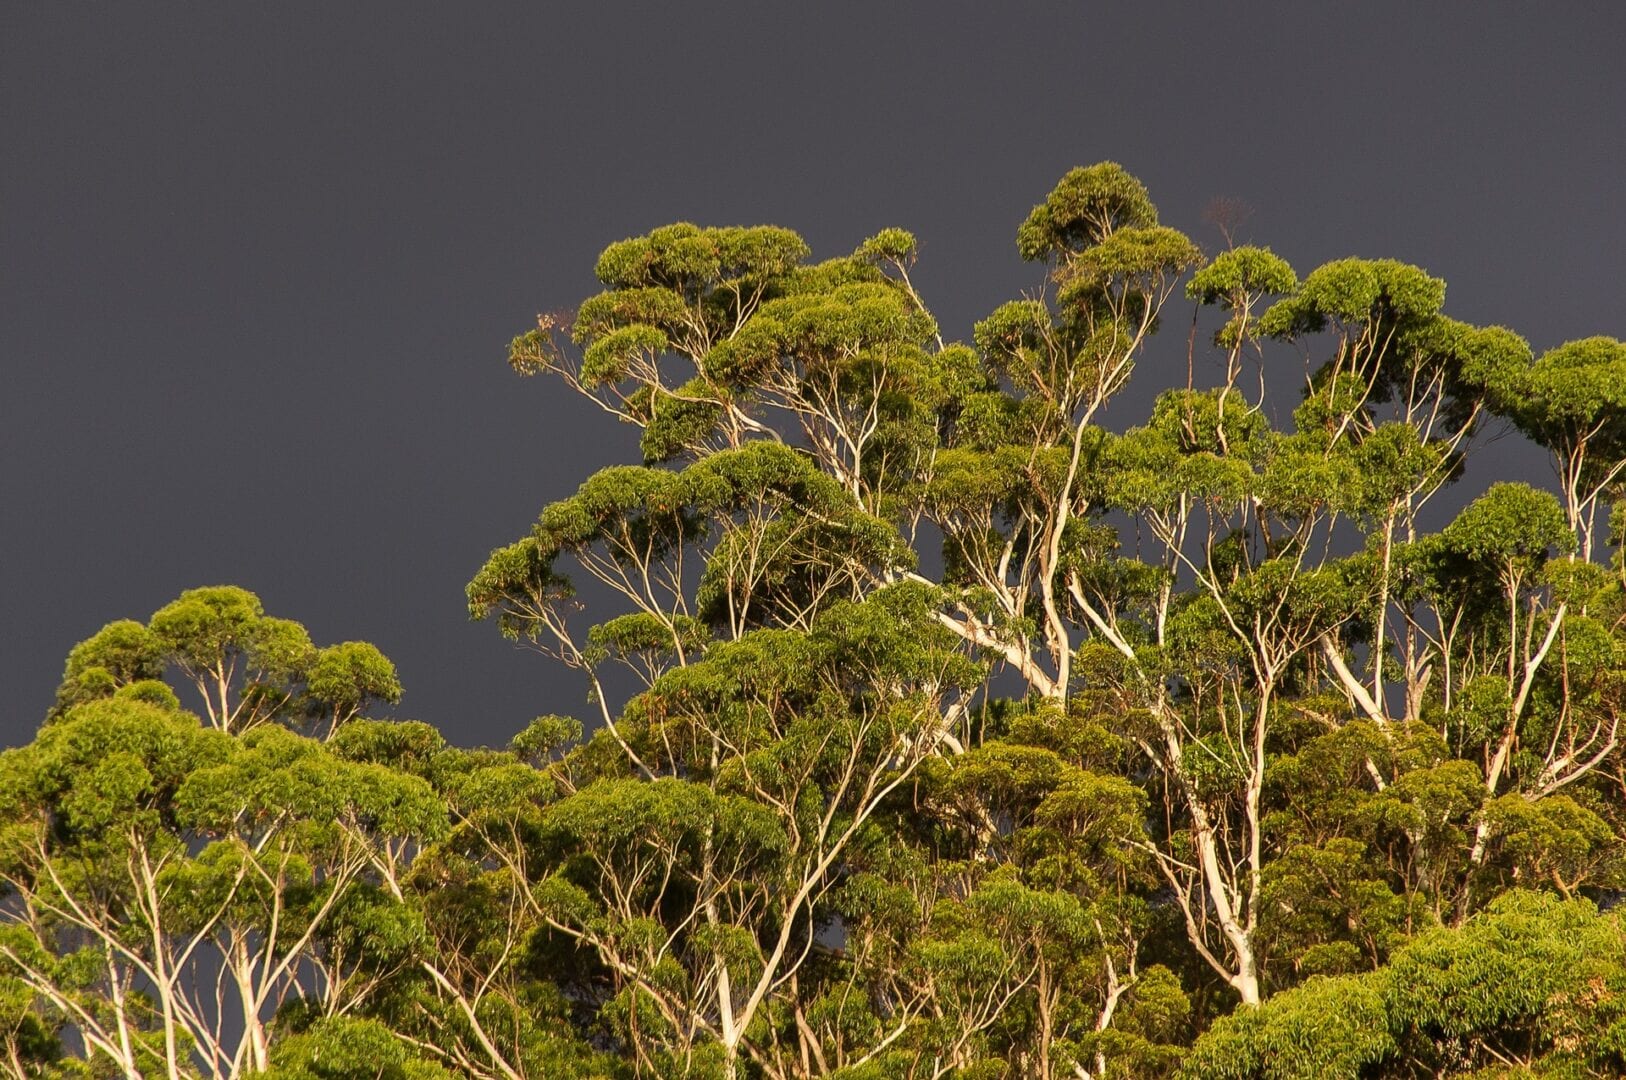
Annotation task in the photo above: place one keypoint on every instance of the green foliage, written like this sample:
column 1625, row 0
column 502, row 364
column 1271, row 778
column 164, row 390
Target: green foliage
column 1240, row 273
column 344, row 1049
column 1357, row 293
column 345, row 679
column 1509, row 528
column 1194, row 750
column 1086, row 207
column 1533, row 981
column 1328, row 1028
column 679, row 256
column 247, row 668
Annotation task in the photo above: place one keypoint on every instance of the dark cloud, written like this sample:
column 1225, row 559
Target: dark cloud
column 260, row 263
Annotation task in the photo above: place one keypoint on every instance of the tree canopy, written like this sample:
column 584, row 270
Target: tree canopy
column 934, row 728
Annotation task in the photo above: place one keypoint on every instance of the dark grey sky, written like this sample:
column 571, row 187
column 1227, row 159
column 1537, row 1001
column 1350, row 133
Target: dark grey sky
column 260, row 262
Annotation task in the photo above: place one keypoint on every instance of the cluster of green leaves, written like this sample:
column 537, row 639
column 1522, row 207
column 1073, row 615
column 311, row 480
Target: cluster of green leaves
column 1531, row 986
column 248, row 668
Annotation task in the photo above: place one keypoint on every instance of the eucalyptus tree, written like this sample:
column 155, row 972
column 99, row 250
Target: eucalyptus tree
column 273, row 883
column 1244, row 631
column 450, row 958
column 1573, row 402
column 170, row 880
column 1249, row 671
column 167, row 886
column 247, row 668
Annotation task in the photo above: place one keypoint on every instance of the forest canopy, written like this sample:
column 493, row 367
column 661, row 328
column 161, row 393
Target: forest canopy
column 934, row 727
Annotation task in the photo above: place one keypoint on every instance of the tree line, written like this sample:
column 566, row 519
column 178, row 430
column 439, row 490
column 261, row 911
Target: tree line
column 934, row 729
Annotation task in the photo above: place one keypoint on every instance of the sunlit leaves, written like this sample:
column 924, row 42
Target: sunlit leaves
column 1131, row 255
column 1085, row 208
column 1204, row 690
column 1325, row 1029
column 1357, row 292
column 681, row 256
column 1242, row 272
column 1510, row 526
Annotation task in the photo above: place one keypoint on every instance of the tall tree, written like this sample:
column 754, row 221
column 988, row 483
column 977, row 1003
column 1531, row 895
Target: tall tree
column 1199, row 609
